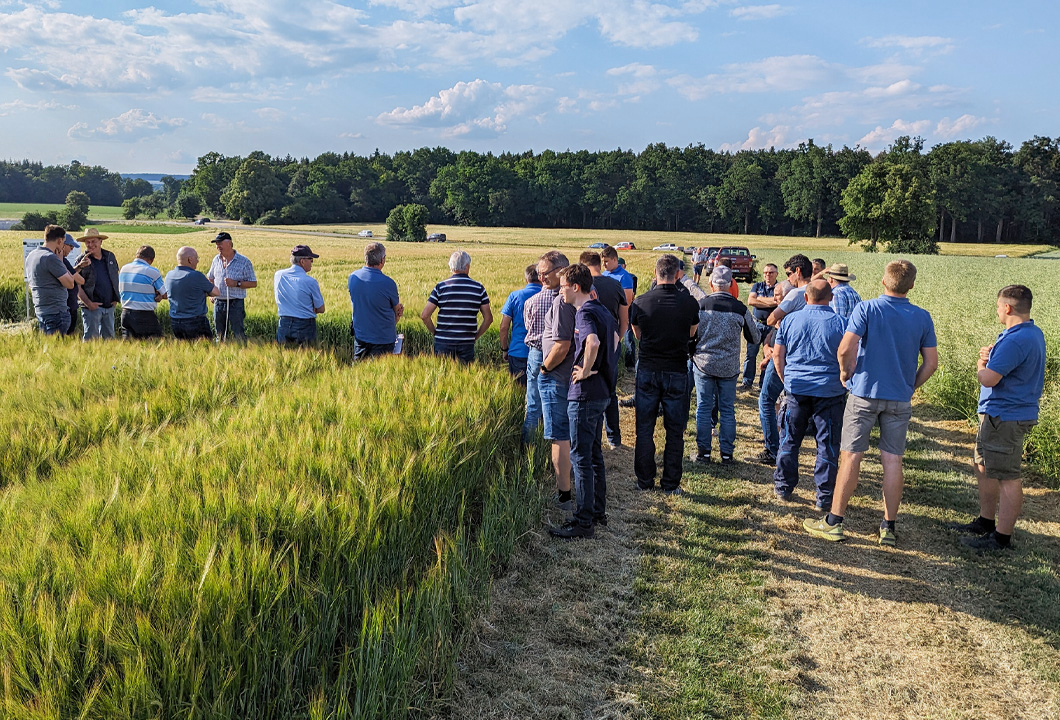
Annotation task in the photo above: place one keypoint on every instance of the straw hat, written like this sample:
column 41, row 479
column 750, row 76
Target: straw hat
column 840, row 272
column 92, row 234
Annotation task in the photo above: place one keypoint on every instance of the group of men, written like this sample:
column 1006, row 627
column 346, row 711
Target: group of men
column 838, row 366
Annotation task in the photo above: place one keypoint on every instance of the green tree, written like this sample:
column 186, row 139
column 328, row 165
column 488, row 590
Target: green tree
column 75, row 215
column 130, row 208
column 416, row 217
column 254, row 190
column 136, row 187
column 395, row 225
column 892, row 205
column 187, row 205
column 741, row 191
column 807, row 183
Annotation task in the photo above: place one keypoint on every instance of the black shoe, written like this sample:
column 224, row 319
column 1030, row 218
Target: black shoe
column 600, row 520
column 975, row 527
column 627, row 402
column 746, row 386
column 674, row 491
column 783, row 496
column 571, row 531
column 983, row 543
column 765, row 457
column 645, row 488
column 702, row 455
column 823, row 507
column 727, row 459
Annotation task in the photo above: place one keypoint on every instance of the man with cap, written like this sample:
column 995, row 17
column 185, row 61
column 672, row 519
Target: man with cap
column 188, row 289
column 68, row 246
column 100, row 292
column 844, row 297
column 140, row 287
column 298, row 299
column 375, row 306
column 232, row 274
column 49, row 282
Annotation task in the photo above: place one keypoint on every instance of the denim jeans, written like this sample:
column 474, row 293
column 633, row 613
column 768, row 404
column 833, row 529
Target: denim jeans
column 228, row 318
column 54, row 323
column 554, row 405
column 667, row 393
column 533, row 394
column 807, row 412
column 464, row 352
column 750, row 363
column 362, row 350
column 296, row 331
column 191, row 328
column 587, row 458
column 611, row 420
column 772, row 386
column 99, row 323
column 517, row 369
column 139, row 324
column 629, row 342
column 711, row 390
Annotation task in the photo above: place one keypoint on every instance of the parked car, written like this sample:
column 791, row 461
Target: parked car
column 436, row 237
column 598, row 246
column 625, row 246
column 364, row 233
column 667, row 247
column 712, row 255
column 201, row 221
column 742, row 261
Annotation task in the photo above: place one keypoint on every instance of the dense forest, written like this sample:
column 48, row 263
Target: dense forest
column 964, row 191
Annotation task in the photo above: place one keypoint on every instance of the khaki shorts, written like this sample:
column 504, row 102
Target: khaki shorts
column 999, row 446
column 863, row 414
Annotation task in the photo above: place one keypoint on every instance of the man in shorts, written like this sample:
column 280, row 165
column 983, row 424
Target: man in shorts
column 878, row 357
column 1012, row 375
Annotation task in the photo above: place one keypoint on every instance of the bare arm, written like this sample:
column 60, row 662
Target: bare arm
column 245, row 284
column 89, row 305
column 848, row 355
column 506, row 333
column 592, row 347
column 780, row 356
column 636, row 331
column 763, row 303
column 555, row 355
column 930, row 365
column 629, row 296
column 775, row 317
column 67, row 281
column 987, row 377
column 623, row 320
column 425, row 316
column 487, row 320
column 214, row 292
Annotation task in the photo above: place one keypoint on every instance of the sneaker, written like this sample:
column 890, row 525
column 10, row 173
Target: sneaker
column 983, row 543
column 823, row 507
column 600, row 520
column 676, row 492
column 821, row 528
column 727, row 459
column 565, row 505
column 783, row 496
column 645, row 488
column 571, row 530
column 614, row 445
column 975, row 527
column 766, row 458
column 701, row 456
column 888, row 537
column 746, row 387
column 627, row 402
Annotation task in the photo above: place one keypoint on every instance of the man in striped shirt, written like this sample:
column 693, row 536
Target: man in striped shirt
column 458, row 300
column 140, row 287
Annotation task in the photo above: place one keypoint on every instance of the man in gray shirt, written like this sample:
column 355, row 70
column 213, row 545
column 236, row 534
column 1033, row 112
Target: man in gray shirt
column 50, row 283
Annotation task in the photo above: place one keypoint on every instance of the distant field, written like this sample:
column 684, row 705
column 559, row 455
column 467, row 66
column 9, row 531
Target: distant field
column 148, row 229
column 15, row 211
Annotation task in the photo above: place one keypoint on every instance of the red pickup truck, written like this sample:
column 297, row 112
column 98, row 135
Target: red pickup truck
column 743, row 262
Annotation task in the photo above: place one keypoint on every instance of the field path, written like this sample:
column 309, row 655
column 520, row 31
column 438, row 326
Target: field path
column 926, row 630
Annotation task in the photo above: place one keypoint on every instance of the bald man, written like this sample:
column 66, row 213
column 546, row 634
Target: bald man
column 188, row 289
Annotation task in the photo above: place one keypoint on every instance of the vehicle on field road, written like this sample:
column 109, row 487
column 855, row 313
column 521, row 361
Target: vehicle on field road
column 436, row 237
column 741, row 261
column 668, row 247
column 625, row 245
column 364, row 233
column 598, row 246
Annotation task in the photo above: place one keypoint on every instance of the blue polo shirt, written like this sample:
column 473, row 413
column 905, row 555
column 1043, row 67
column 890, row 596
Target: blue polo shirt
column 373, row 297
column 622, row 275
column 892, row 331
column 297, row 294
column 187, row 289
column 811, row 339
column 1018, row 357
column 513, row 308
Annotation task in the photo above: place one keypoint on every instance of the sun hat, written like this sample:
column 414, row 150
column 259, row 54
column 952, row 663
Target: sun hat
column 840, row 272
column 303, row 251
column 91, row 234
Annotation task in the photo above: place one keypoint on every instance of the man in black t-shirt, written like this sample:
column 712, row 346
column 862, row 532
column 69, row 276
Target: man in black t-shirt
column 663, row 320
column 611, row 295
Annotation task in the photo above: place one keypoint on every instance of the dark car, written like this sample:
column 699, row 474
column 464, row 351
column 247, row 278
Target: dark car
column 436, row 237
column 598, row 246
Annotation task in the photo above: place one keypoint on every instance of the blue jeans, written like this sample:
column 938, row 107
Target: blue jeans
column 517, row 369
column 228, row 318
column 711, row 390
column 750, row 363
column 464, row 352
column 665, row 392
column 99, row 323
column 296, row 331
column 191, row 328
column 533, row 393
column 772, row 386
column 54, row 324
column 362, row 350
column 805, row 412
column 587, row 458
column 554, row 405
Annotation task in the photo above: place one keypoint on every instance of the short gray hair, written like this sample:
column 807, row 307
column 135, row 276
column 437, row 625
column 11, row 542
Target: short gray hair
column 459, row 261
column 374, row 253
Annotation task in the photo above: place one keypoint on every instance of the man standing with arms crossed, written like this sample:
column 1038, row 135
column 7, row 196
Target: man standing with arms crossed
column 1012, row 375
column 761, row 301
column 883, row 343
column 375, row 306
column 232, row 274
column 590, row 392
column 188, row 289
column 50, row 283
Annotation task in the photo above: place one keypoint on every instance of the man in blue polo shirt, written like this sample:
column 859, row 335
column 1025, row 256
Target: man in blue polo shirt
column 884, row 341
column 1012, row 375
column 514, row 349
column 805, row 356
column 375, row 306
column 615, row 267
column 141, row 287
column 298, row 299
column 587, row 398
column 188, row 289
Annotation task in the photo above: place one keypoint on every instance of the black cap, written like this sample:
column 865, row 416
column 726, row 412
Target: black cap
column 221, row 237
column 303, row 251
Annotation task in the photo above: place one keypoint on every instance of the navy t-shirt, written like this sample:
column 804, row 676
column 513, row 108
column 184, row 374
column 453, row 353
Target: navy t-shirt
column 187, row 290
column 593, row 318
column 1018, row 357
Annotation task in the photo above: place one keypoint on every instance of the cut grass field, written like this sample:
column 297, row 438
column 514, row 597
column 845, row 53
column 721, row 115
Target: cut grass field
column 15, row 211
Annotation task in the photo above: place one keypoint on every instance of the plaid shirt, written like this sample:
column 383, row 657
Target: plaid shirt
column 844, row 300
column 534, row 316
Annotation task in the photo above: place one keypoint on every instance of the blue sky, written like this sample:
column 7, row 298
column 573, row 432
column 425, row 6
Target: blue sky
column 149, row 88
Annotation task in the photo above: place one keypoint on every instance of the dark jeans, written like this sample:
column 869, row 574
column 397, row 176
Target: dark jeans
column 665, row 392
column 191, row 328
column 631, row 349
column 772, row 386
column 296, row 331
column 139, row 324
column 587, row 458
column 807, row 411
column 55, row 324
column 517, row 369
column 750, row 363
column 614, row 432
column 74, row 316
column 228, row 318
column 362, row 350
column 464, row 352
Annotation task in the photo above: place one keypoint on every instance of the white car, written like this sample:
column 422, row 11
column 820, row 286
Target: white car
column 364, row 233
column 667, row 247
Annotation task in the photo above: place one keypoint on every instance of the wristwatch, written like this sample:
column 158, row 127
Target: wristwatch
column 239, row 283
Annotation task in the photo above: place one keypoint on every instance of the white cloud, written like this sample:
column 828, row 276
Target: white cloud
column 758, row 139
column 477, row 107
column 951, row 129
column 270, row 114
column 351, row 135
column 773, row 74
column 916, row 44
column 880, row 137
column 643, row 79
column 17, row 106
column 759, row 12
column 130, row 126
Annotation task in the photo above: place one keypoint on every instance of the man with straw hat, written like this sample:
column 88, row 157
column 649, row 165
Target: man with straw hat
column 844, row 297
column 99, row 294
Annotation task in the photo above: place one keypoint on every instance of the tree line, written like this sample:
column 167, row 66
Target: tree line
column 903, row 198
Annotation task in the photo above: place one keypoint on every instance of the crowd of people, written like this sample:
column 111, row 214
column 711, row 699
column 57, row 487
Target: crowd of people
column 832, row 365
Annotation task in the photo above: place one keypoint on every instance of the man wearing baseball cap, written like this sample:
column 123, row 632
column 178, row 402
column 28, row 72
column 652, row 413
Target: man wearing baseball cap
column 232, row 274
column 844, row 297
column 298, row 299
column 68, row 246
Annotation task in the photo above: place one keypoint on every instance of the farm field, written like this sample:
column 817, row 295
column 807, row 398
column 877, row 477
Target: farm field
column 15, row 211
column 219, row 489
